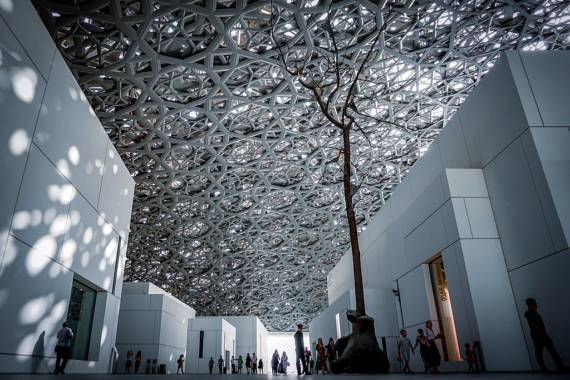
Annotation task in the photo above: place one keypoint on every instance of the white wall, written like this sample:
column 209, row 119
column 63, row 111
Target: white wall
column 59, row 173
column 154, row 322
column 219, row 335
column 251, row 336
column 490, row 194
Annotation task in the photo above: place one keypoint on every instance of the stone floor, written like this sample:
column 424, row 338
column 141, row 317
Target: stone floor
column 442, row 376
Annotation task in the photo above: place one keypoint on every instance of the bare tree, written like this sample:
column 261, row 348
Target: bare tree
column 344, row 83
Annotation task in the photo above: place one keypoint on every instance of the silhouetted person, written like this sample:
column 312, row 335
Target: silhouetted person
column 180, row 364
column 404, row 349
column 220, row 364
column 129, row 362
column 63, row 348
column 470, row 357
column 260, row 366
column 211, row 364
column 300, row 351
column 240, row 364
column 275, row 362
column 247, row 363
column 539, row 336
column 138, row 360
column 147, row 367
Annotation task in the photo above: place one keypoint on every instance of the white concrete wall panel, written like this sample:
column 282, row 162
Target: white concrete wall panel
column 20, row 99
column 70, row 134
column 494, row 306
column 424, row 204
column 31, row 314
column 452, row 147
column 553, row 147
column 428, row 239
column 90, row 245
column 517, row 209
column 481, row 219
column 549, row 78
column 504, row 117
column 34, row 38
column 414, row 298
column 465, row 183
column 116, row 190
column 40, row 218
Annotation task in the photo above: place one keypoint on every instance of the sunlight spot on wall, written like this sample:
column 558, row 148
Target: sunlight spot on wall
column 59, row 225
column 49, row 215
column 107, row 283
column 34, row 309
column 111, row 249
column 104, row 334
column 73, row 93
column 73, row 155
column 53, row 192
column 63, row 167
column 89, row 168
column 100, row 219
column 85, row 259
column 7, row 5
column 115, row 168
column 75, row 217
column 87, row 235
column 36, row 217
column 35, row 263
column 26, row 346
column 21, row 220
column 10, row 254
column 55, row 270
column 24, row 81
column 19, row 142
column 102, row 265
column 107, row 229
column 67, row 194
column 67, row 252
column 111, row 153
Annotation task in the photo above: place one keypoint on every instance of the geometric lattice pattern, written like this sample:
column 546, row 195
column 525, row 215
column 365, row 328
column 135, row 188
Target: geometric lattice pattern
column 238, row 206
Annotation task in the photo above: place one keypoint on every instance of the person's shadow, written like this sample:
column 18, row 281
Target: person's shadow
column 38, row 353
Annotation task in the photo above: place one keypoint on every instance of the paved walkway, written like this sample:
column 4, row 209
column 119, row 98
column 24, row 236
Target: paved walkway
column 395, row 376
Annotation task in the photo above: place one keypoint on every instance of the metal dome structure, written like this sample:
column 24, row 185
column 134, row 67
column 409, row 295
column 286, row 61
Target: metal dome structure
column 238, row 209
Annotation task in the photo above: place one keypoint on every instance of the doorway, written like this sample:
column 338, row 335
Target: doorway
column 443, row 303
column 80, row 318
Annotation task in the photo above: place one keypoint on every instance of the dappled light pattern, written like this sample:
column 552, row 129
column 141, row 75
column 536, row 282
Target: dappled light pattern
column 238, row 205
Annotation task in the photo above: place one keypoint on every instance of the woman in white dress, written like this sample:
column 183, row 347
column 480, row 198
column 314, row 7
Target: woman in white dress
column 284, row 362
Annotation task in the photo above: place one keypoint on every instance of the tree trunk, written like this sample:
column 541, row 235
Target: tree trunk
column 352, row 227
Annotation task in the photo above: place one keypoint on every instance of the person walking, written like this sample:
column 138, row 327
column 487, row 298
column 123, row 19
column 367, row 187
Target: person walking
column 330, row 353
column 470, row 357
column 284, row 362
column 299, row 351
column 211, row 365
column 275, row 362
column 240, row 364
column 321, row 356
column 129, row 362
column 253, row 364
column 247, row 363
column 540, row 337
column 180, row 364
column 434, row 357
column 63, row 348
column 138, row 360
column 233, row 365
column 260, row 366
column 404, row 349
column 220, row 364
column 422, row 340
column 147, row 367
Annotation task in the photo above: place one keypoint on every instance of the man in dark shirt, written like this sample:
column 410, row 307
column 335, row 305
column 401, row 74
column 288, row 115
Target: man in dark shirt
column 539, row 336
column 300, row 351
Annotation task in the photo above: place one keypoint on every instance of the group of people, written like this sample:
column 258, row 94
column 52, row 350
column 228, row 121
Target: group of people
column 428, row 349
column 252, row 365
column 279, row 364
column 432, row 359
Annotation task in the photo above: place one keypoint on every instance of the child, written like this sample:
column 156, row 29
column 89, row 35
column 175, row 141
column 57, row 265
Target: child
column 404, row 348
column 180, row 364
column 470, row 357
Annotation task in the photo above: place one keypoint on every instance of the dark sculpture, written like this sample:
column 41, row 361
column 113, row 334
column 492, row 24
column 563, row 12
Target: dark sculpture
column 359, row 352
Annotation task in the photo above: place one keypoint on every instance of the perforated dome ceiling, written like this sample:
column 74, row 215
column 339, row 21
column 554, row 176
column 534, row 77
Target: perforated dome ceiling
column 237, row 210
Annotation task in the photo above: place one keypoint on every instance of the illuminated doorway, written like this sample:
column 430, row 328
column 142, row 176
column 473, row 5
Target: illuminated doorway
column 442, row 300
